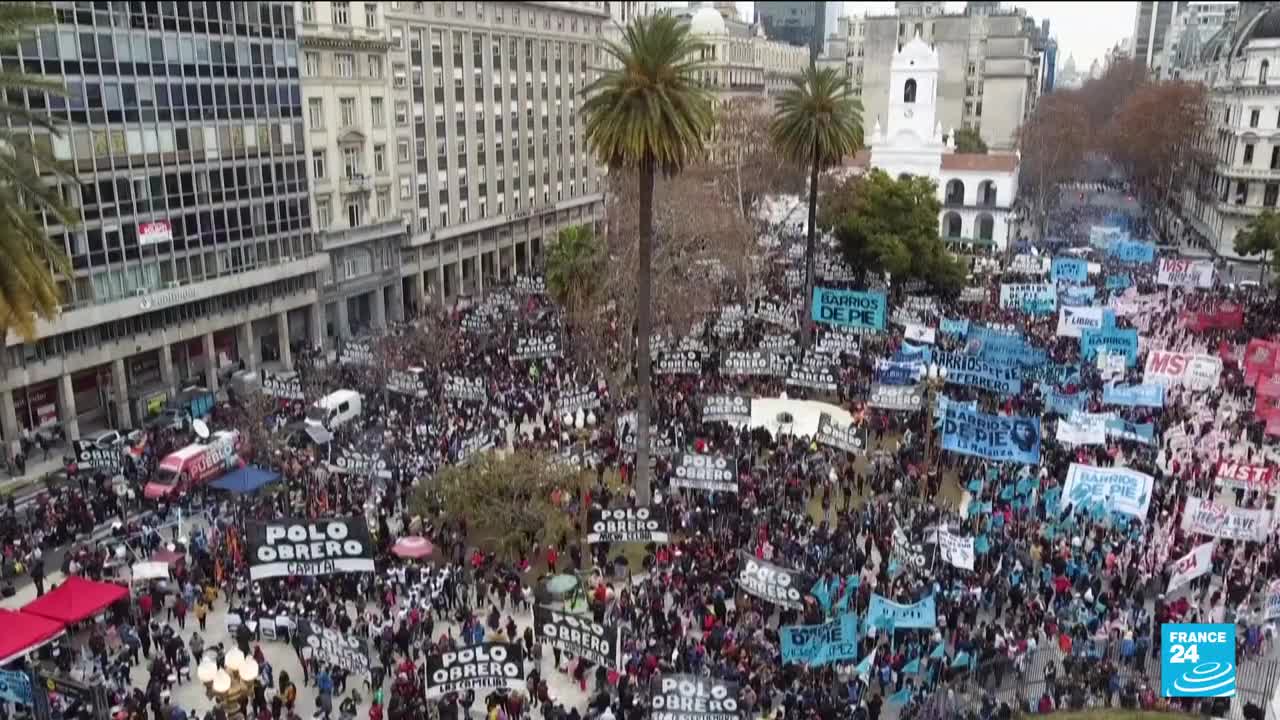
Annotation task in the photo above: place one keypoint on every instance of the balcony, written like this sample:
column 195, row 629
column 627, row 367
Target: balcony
column 1257, row 173
column 357, row 183
column 1230, row 208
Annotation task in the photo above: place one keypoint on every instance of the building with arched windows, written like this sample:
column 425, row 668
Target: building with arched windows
column 977, row 191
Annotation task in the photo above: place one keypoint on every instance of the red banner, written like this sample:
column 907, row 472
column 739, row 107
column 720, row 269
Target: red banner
column 1227, row 316
column 1259, row 360
column 1249, row 477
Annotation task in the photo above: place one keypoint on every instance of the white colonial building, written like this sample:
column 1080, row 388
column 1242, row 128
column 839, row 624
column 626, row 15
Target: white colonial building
column 977, row 190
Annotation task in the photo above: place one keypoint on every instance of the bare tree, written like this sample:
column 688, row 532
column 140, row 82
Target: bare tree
column 741, row 160
column 1053, row 143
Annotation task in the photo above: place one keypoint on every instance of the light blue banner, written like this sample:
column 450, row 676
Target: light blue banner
column 1078, row 295
column 1030, row 298
column 1145, row 395
column 994, row 437
column 1061, row 403
column 1056, row 374
column 965, row 369
column 1069, row 269
column 1102, row 236
column 15, row 687
column 913, row 353
column 944, row 402
column 958, row 328
column 1121, row 429
column 848, row 308
column 816, row 645
column 1111, row 340
column 1099, row 490
column 892, row 372
column 1132, row 251
column 1119, row 282
column 885, row 613
column 1003, row 348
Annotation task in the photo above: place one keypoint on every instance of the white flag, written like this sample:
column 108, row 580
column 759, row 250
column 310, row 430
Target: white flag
column 956, row 549
column 1191, row 566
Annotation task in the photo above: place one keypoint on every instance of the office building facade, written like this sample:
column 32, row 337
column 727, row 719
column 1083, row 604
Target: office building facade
column 1153, row 21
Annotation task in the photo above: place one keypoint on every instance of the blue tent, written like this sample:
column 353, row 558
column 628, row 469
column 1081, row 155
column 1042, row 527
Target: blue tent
column 246, row 480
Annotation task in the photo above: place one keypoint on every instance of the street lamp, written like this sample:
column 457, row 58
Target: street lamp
column 935, row 376
column 232, row 684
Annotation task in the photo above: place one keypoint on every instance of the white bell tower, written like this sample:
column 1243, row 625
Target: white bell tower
column 911, row 139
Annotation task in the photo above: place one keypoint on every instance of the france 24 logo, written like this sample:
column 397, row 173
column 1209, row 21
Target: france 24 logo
column 1197, row 660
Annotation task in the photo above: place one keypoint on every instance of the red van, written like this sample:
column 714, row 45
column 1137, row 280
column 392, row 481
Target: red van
column 196, row 464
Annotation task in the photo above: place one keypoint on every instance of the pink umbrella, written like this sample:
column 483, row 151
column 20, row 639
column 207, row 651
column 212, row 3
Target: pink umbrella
column 413, row 546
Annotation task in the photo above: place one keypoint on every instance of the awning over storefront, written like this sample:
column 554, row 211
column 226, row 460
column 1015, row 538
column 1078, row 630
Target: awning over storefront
column 20, row 633
column 76, row 599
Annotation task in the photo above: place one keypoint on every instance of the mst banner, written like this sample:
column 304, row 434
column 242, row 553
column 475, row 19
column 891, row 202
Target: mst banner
column 773, row 583
column 1185, row 273
column 1223, row 521
column 692, row 697
column 705, row 472
column 994, row 437
column 726, row 408
column 331, row 647
column 309, row 547
column 638, row 524
column 478, row 667
column 579, row 635
column 1194, row 372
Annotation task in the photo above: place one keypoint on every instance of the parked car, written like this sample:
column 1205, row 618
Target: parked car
column 107, row 438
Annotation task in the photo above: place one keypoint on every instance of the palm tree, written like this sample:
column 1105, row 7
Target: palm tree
column 817, row 122
column 28, row 288
column 574, row 268
column 648, row 112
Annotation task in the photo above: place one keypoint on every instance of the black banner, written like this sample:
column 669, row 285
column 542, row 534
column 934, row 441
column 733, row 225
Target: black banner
column 816, row 372
column 458, row 387
column 773, row 583
column 775, row 312
column 753, row 362
column 896, row 397
column 639, row 524
column 705, row 472
column 330, row 647
column 726, row 408
column 726, row 326
column 532, row 347
column 679, row 362
column 282, row 387
column 407, row 382
column 574, row 400
column 531, row 285
column 350, row 461
column 90, row 456
column 478, row 441
column 356, row 352
column 691, row 697
column 849, row 438
column 478, row 667
column 578, row 635
column 309, row 547
column 777, row 343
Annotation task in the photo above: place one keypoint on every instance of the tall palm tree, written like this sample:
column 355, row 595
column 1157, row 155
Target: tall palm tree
column 816, row 122
column 574, row 267
column 648, row 112
column 28, row 288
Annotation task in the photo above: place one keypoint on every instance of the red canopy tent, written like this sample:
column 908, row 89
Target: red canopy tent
column 21, row 633
column 76, row 599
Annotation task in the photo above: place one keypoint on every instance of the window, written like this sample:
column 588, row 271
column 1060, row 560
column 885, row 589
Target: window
column 384, row 203
column 351, row 162
column 1242, row 192
column 312, row 64
column 317, row 164
column 323, row 214
column 379, row 159
column 371, row 14
column 315, row 113
column 1270, row 195
column 402, row 112
column 1262, row 72
column 909, row 91
column 378, row 112
column 398, row 75
column 355, row 209
column 1275, row 158
column 347, row 110
column 406, row 189
column 402, row 150
column 1254, row 116
column 1248, row 154
column 308, row 12
column 344, row 65
column 341, row 13
column 375, row 66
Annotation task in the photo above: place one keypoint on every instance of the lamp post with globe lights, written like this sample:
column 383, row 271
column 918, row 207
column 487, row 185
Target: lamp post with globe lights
column 232, row 684
column 935, row 377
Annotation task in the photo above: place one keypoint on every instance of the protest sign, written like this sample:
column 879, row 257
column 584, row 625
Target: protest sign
column 486, row 666
column 1083, row 429
column 896, row 397
column 91, row 456
column 1185, row 273
column 726, row 408
column 1116, row 489
column 753, row 363
column 1144, row 395
column 971, row 295
column 816, row 372
column 1103, row 236
column 282, row 386
column 1190, row 370
column 330, row 647
column 679, row 362
column 994, row 437
column 1069, row 269
column 956, row 550
column 693, row 697
column 533, row 347
column 956, row 328
column 15, row 687
column 1113, row 340
column 1123, row 430
column 1029, row 265
column 1077, row 296
column 775, row 312
column 1132, row 252
column 965, row 369
column 530, row 285
column 818, row 645
column 631, row 524
column 354, row 461
column 849, row 308
column 1260, row 358
column 571, row 401
column 848, row 342
column 705, row 472
column 1223, row 521
column 1227, row 316
column 1118, row 282
column 773, row 583
column 308, row 547
column 407, row 382
column 1234, row 474
column 1055, row 374
column 920, row 333
column 892, row 372
column 1030, row 298
column 907, row 554
column 1060, row 403
column 458, row 387
column 1007, row 349
column 356, row 352
column 850, row 438
column 579, row 636
column 1073, row 320
column 885, row 613
column 777, row 343
column 1191, row 566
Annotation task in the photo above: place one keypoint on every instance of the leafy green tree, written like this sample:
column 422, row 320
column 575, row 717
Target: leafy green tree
column 891, row 225
column 512, row 502
column 575, row 268
column 648, row 111
column 1261, row 236
column 817, row 122
column 28, row 286
column 969, row 140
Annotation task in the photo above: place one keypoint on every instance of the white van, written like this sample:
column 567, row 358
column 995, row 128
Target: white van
column 335, row 409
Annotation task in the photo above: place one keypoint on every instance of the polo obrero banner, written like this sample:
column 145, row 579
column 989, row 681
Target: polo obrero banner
column 690, row 697
column 331, row 647
column 579, row 636
column 309, row 547
column 478, row 667
column 773, row 583
column 639, row 524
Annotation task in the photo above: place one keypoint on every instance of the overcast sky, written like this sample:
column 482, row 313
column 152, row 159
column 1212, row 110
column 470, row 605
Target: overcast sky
column 1084, row 29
